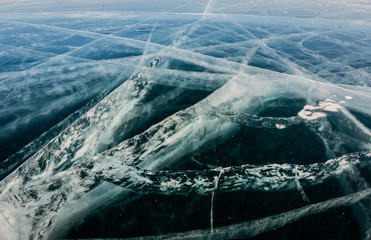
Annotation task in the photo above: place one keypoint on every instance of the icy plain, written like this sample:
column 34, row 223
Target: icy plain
column 185, row 119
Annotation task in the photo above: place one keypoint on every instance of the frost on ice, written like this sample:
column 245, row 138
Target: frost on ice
column 209, row 119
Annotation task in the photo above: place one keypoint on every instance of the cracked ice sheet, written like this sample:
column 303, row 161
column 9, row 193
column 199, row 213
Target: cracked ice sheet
column 204, row 36
column 240, row 92
column 267, row 76
column 352, row 10
column 177, row 6
column 243, row 95
column 267, row 54
column 272, row 178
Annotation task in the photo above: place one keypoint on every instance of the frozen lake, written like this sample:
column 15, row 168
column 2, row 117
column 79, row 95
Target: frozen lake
column 185, row 119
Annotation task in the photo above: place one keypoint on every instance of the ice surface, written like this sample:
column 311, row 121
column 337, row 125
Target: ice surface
column 213, row 119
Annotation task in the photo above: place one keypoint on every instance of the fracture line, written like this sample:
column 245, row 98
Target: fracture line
column 299, row 187
column 146, row 46
column 212, row 201
column 254, row 227
column 207, row 7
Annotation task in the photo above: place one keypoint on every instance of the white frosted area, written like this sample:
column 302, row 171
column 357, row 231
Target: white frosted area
column 302, row 9
column 111, row 5
column 109, row 101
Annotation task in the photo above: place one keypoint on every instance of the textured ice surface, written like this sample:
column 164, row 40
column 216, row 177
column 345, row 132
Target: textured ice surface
column 185, row 119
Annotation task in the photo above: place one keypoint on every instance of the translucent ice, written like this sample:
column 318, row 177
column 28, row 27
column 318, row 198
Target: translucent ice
column 185, row 119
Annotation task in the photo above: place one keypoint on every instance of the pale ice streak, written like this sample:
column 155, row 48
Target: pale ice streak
column 207, row 7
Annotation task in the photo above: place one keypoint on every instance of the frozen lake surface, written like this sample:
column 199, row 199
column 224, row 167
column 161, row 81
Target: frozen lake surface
column 185, row 119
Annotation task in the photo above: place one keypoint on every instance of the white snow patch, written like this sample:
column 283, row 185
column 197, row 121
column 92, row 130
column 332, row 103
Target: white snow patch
column 280, row 126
